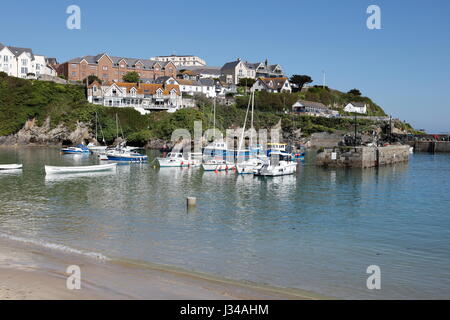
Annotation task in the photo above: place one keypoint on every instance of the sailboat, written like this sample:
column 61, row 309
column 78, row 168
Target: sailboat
column 92, row 147
column 255, row 162
column 123, row 153
column 216, row 153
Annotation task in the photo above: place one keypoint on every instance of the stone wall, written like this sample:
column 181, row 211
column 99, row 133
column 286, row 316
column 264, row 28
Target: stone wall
column 430, row 146
column 362, row 157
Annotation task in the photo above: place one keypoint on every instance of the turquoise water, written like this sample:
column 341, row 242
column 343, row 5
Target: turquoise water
column 317, row 231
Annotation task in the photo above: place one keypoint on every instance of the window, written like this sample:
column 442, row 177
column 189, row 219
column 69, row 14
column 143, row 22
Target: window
column 24, row 70
column 73, row 65
column 5, row 58
column 94, row 88
column 105, row 68
column 74, row 74
column 24, row 62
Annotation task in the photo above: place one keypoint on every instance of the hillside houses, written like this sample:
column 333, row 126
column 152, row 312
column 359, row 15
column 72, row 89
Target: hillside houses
column 23, row 63
column 112, row 68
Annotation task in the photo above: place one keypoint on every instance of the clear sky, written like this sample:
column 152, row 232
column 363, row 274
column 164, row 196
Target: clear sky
column 404, row 67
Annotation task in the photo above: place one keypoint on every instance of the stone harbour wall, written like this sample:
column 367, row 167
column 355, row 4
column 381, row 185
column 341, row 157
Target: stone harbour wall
column 362, row 157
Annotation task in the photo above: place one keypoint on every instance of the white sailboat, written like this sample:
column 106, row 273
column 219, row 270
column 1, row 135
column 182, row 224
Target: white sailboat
column 255, row 162
column 92, row 147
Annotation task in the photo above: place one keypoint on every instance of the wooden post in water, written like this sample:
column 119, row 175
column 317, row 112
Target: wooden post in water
column 191, row 202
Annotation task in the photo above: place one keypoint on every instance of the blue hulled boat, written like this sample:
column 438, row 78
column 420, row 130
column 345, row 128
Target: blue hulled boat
column 79, row 149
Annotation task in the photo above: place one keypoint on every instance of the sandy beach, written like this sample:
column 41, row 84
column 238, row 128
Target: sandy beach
column 29, row 272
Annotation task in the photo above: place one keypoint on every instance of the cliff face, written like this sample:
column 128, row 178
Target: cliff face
column 32, row 134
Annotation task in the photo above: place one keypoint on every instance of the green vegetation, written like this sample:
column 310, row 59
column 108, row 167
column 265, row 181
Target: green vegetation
column 132, row 77
column 21, row 100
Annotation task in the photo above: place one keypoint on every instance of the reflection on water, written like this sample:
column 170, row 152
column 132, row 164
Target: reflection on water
column 317, row 230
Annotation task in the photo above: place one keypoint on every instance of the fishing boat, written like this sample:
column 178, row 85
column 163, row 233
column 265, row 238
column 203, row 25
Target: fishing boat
column 10, row 166
column 96, row 168
column 279, row 164
column 125, row 156
column 79, row 149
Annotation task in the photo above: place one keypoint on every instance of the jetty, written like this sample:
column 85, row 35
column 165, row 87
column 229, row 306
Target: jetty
column 362, row 156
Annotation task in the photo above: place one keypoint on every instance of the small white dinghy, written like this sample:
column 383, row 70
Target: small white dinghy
column 96, row 168
column 10, row 166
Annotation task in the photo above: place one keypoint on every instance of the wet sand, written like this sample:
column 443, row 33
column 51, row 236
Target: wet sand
column 30, row 272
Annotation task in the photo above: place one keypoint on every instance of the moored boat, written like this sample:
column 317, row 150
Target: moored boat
column 125, row 156
column 10, row 166
column 79, row 149
column 250, row 166
column 96, row 168
column 279, row 164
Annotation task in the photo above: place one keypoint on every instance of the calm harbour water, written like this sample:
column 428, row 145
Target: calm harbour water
column 317, row 231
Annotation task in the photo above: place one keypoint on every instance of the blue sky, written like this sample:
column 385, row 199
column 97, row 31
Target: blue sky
column 404, row 67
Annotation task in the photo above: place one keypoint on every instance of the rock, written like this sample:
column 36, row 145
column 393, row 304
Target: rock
column 32, row 134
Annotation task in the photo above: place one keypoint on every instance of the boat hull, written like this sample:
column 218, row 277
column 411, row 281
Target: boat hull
column 274, row 171
column 10, row 166
column 97, row 168
column 128, row 158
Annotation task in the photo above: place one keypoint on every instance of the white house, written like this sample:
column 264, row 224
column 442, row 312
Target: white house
column 21, row 62
column 356, row 107
column 205, row 86
column 280, row 84
column 233, row 71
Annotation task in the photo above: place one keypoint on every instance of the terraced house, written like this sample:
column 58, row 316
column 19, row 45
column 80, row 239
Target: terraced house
column 144, row 97
column 109, row 68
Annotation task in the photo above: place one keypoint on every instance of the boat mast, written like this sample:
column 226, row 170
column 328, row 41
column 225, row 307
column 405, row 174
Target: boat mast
column 214, row 120
column 117, row 127
column 96, row 128
column 251, row 127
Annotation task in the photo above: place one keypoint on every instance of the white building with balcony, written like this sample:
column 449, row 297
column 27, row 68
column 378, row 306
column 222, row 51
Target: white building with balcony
column 144, row 97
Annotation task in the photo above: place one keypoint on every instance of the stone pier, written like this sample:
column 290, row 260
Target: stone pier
column 362, row 157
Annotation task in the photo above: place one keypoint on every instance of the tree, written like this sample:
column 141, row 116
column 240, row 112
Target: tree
column 246, row 83
column 91, row 78
column 132, row 76
column 300, row 81
column 354, row 92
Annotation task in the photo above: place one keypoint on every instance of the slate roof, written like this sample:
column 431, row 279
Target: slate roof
column 131, row 62
column 312, row 104
column 274, row 83
column 17, row 51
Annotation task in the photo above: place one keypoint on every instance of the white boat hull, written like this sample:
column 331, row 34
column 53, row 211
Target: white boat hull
column 97, row 168
column 277, row 170
column 10, row 166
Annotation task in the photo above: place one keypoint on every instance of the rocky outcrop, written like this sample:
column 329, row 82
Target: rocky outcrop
column 33, row 134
